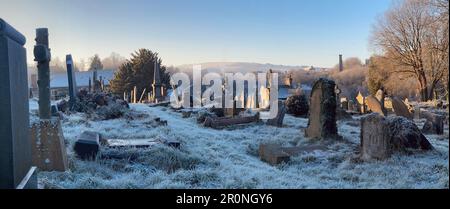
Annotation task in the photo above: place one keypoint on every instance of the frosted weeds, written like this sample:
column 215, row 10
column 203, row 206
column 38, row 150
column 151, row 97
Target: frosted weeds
column 228, row 158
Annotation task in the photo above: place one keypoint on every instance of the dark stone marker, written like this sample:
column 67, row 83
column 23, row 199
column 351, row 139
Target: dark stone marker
column 157, row 92
column 71, row 81
column 87, row 145
column 15, row 144
column 322, row 112
column 278, row 121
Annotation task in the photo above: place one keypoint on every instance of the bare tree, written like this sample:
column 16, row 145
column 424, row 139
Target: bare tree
column 411, row 37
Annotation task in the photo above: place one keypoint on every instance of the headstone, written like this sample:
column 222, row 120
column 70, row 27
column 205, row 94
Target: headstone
column 48, row 148
column 381, row 136
column 374, row 105
column 16, row 169
column 361, row 103
column 87, row 145
column 71, row 81
column 401, row 109
column 375, row 138
column 322, row 112
column 278, row 120
column 344, row 103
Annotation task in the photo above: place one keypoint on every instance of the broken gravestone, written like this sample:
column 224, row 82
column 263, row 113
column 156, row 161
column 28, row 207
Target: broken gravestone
column 16, row 169
column 375, row 106
column 401, row 109
column 278, row 120
column 381, row 136
column 218, row 123
column 322, row 114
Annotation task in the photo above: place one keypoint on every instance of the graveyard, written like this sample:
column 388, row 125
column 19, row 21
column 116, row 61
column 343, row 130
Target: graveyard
column 147, row 127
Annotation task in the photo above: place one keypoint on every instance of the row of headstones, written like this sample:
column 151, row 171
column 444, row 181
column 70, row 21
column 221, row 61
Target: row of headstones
column 380, row 136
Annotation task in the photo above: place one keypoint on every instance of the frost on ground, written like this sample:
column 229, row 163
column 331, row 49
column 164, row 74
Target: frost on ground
column 228, row 158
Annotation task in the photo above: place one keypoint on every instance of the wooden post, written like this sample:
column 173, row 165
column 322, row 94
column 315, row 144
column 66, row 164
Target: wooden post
column 142, row 95
column 135, row 95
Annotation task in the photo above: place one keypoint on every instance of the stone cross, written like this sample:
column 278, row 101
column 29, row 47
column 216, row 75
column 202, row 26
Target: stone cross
column 322, row 113
column 71, row 81
column 16, row 169
column 43, row 57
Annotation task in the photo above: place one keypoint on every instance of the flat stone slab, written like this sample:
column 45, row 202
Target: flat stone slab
column 275, row 154
column 137, row 143
column 141, row 143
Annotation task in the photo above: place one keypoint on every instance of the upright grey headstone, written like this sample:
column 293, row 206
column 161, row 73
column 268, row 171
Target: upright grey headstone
column 15, row 144
column 71, row 81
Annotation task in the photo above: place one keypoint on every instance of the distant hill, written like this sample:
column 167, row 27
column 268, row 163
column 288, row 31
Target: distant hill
column 243, row 67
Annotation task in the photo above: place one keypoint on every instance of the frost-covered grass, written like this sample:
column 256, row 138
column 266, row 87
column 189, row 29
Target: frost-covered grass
column 228, row 158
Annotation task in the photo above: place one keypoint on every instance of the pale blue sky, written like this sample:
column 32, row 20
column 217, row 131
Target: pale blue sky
column 289, row 32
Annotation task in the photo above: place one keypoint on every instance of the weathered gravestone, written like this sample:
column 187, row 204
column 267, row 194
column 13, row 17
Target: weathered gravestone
column 380, row 95
column 278, row 120
column 322, row 113
column 361, row 103
column 374, row 105
column 16, row 169
column 401, row 109
column 375, row 139
column 48, row 148
column 87, row 145
column 71, row 81
column 381, row 136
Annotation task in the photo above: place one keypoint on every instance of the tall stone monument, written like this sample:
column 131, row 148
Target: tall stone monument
column 16, row 169
column 71, row 81
column 48, row 148
column 322, row 113
column 157, row 86
column 341, row 63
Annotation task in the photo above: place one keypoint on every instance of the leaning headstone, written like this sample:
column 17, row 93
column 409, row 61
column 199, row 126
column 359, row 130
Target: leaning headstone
column 278, row 120
column 375, row 139
column 374, row 105
column 401, row 109
column 48, row 147
column 49, row 150
column 71, row 81
column 16, row 169
column 322, row 113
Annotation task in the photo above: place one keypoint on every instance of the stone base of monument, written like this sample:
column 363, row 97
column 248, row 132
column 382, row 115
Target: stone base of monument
column 276, row 154
column 48, row 148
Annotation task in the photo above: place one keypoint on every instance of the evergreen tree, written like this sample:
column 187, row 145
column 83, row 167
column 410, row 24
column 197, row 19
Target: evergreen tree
column 96, row 63
column 138, row 71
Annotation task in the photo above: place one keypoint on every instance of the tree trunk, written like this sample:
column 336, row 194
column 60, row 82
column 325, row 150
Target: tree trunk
column 424, row 93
